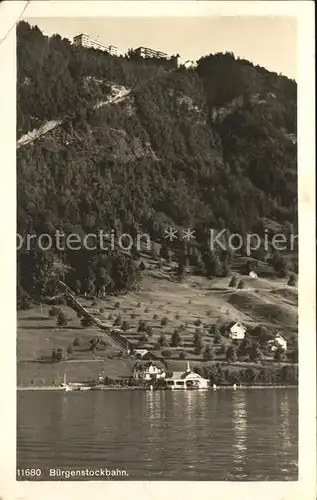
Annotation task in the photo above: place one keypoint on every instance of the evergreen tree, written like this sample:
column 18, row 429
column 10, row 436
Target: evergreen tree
column 208, row 353
column 62, row 319
column 176, row 339
column 231, row 354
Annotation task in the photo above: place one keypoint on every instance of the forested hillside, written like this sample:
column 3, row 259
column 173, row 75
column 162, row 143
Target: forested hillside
column 210, row 147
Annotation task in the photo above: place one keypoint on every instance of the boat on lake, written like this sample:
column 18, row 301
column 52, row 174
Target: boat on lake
column 65, row 385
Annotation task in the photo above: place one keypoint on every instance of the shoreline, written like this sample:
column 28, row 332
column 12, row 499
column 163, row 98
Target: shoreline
column 109, row 388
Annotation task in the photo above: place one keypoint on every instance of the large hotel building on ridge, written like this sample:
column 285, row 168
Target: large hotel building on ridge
column 144, row 52
column 85, row 41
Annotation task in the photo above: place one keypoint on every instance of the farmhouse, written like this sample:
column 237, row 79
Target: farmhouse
column 148, row 371
column 187, row 379
column 140, row 353
column 237, row 331
column 278, row 341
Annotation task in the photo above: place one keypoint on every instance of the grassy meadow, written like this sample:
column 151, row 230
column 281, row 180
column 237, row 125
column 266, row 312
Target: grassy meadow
column 162, row 305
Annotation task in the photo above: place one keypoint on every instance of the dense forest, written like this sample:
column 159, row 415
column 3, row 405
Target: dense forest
column 210, row 147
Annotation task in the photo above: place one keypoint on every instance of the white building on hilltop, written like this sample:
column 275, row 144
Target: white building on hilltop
column 147, row 52
column 188, row 64
column 83, row 40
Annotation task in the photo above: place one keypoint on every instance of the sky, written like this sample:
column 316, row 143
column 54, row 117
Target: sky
column 268, row 41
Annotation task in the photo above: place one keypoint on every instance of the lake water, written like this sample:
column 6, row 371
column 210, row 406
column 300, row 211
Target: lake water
column 162, row 435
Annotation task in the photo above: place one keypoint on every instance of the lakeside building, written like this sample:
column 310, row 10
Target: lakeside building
column 84, row 40
column 187, row 379
column 148, row 371
column 166, row 379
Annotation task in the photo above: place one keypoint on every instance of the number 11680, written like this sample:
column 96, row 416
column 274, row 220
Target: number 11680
column 29, row 473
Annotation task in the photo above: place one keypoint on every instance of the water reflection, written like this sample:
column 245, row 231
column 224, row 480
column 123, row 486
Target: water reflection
column 170, row 435
column 153, row 408
column 190, row 403
column 150, row 401
column 239, row 422
column 284, row 411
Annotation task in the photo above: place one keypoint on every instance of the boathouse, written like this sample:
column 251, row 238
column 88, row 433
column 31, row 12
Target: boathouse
column 187, row 379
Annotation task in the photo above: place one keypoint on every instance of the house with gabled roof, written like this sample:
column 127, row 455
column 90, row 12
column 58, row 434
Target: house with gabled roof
column 140, row 352
column 278, row 341
column 237, row 331
column 148, row 370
